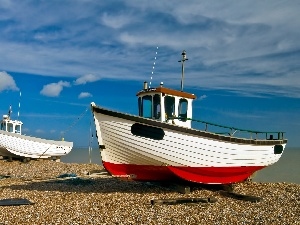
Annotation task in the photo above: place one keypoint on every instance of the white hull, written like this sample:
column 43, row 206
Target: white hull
column 177, row 148
column 16, row 145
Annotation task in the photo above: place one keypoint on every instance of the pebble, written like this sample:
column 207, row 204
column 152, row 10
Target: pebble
column 102, row 199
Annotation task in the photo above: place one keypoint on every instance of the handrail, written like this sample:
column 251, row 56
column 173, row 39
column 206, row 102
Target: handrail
column 234, row 130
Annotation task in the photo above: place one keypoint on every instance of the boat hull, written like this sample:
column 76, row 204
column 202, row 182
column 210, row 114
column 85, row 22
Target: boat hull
column 142, row 149
column 21, row 146
column 209, row 175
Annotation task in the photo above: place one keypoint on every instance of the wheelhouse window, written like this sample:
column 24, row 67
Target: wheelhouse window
column 18, row 129
column 140, row 106
column 10, row 127
column 146, row 106
column 170, row 106
column 156, row 106
column 183, row 107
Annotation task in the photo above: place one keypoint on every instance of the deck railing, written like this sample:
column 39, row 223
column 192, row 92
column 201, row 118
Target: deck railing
column 231, row 131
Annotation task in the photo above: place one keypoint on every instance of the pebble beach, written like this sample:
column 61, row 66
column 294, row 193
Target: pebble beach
column 94, row 197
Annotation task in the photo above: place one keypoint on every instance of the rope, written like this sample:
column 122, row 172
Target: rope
column 90, row 141
column 45, row 151
column 74, row 123
column 153, row 68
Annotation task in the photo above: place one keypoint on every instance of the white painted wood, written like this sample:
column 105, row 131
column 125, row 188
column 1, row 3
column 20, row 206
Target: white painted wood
column 176, row 148
column 12, row 144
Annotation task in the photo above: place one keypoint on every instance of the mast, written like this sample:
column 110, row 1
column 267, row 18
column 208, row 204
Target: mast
column 9, row 112
column 19, row 106
column 182, row 67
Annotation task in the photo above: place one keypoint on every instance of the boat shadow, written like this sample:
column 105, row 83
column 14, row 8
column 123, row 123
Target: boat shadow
column 105, row 184
column 88, row 185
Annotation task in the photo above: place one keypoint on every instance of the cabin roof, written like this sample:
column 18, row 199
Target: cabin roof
column 169, row 91
column 9, row 121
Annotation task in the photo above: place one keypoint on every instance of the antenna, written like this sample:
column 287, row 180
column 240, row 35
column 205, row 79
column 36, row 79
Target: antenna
column 153, row 67
column 19, row 105
column 182, row 67
column 9, row 112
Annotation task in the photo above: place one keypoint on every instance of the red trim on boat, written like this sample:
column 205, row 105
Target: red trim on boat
column 139, row 172
column 206, row 175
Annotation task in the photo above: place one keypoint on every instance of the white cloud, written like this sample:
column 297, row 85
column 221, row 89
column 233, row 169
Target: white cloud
column 86, row 79
column 115, row 21
column 24, row 130
column 39, row 131
column 85, row 95
column 7, row 82
column 202, row 97
column 54, row 89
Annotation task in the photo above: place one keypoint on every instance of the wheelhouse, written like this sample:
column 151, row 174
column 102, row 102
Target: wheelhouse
column 13, row 126
column 166, row 105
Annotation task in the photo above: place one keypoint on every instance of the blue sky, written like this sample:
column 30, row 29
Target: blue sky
column 244, row 61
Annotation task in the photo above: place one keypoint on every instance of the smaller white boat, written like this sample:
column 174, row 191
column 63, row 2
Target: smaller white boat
column 15, row 145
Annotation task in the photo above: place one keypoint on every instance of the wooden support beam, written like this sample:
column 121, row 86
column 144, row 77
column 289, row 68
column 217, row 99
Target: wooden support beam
column 243, row 197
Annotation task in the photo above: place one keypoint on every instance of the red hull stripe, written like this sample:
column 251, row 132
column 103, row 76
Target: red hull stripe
column 206, row 175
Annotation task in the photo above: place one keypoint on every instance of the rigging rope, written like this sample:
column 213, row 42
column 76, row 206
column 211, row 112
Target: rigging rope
column 153, row 68
column 91, row 135
column 74, row 123
column 90, row 140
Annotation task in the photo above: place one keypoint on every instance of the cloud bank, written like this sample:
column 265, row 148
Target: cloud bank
column 248, row 47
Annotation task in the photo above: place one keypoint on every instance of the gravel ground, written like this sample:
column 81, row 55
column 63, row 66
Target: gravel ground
column 101, row 199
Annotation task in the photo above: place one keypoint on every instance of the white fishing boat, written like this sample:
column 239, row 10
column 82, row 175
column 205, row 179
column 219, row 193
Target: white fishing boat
column 159, row 143
column 14, row 144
